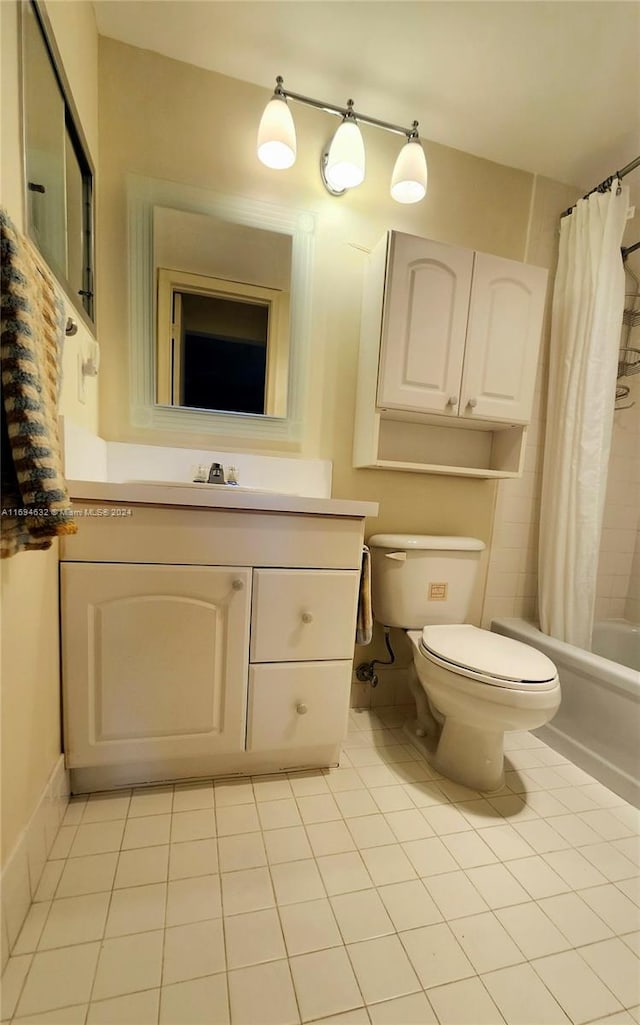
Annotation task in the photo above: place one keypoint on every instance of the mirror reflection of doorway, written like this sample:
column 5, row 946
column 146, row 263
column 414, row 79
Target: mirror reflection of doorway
column 222, row 345
column 221, row 349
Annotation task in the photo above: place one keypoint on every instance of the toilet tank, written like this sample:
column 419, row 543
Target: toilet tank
column 422, row 579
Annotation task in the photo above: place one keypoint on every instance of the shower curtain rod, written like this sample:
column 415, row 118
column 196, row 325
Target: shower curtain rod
column 606, row 184
column 604, row 187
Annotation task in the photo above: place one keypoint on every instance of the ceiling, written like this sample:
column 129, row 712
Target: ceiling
column 548, row 87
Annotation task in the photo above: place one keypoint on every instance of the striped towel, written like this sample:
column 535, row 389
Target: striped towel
column 35, row 505
column 364, row 624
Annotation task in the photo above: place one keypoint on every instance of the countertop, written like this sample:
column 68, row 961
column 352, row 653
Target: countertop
column 211, row 497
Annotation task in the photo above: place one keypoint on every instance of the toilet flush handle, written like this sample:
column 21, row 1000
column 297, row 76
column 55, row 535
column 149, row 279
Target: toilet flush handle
column 398, row 556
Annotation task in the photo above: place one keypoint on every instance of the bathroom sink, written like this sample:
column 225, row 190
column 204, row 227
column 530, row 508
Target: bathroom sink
column 203, row 487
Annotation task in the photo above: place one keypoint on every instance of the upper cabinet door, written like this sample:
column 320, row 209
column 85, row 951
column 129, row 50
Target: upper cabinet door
column 505, row 317
column 424, row 325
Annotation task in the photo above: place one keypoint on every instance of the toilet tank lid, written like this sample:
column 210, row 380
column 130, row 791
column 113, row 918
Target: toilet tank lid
column 426, row 542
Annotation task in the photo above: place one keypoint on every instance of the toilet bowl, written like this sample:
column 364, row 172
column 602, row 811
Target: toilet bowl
column 469, row 686
column 476, row 691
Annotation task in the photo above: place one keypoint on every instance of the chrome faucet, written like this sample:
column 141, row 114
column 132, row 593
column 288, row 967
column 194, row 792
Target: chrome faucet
column 216, row 474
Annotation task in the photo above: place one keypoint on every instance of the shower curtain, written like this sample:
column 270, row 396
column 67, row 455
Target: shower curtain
column 588, row 302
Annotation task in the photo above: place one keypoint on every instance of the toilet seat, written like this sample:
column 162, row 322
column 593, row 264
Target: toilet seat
column 488, row 658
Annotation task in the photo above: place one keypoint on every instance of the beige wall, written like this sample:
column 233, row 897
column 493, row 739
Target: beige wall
column 30, row 683
column 193, row 126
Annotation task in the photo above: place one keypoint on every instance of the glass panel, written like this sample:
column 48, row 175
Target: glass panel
column 44, row 113
column 75, row 220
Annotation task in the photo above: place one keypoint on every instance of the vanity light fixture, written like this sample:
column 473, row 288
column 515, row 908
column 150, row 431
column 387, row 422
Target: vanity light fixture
column 277, row 133
column 342, row 164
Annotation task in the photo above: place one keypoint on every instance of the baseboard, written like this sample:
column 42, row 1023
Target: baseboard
column 21, row 874
column 96, row 778
column 597, row 766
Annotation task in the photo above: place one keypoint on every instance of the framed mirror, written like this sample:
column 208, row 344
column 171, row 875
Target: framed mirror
column 219, row 304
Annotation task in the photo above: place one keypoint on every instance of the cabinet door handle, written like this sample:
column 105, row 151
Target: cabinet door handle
column 452, row 400
column 307, row 617
column 238, row 585
column 472, row 403
column 302, row 709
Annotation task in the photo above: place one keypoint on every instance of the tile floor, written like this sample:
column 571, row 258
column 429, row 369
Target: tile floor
column 373, row 893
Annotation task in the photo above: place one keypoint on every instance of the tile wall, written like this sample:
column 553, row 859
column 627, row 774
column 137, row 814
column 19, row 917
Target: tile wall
column 618, row 591
column 512, row 578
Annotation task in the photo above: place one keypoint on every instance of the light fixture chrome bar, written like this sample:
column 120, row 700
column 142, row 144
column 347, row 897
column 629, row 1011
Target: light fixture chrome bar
column 331, row 108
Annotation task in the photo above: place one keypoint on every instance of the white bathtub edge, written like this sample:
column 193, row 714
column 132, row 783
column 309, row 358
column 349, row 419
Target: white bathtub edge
column 597, row 724
column 600, row 768
column 601, row 670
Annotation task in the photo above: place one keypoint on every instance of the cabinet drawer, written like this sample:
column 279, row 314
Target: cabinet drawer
column 303, row 614
column 297, row 704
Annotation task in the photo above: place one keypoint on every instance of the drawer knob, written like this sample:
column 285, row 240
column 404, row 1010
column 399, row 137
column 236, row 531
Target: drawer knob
column 238, row 585
column 473, row 403
column 307, row 618
column 452, row 400
column 302, row 709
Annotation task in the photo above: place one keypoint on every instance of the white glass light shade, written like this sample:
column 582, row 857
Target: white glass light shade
column 409, row 178
column 345, row 162
column 277, row 135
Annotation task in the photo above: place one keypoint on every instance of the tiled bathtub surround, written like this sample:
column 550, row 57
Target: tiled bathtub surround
column 512, row 577
column 618, row 571
column 373, row 893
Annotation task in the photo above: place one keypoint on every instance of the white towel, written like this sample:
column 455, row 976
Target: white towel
column 364, row 625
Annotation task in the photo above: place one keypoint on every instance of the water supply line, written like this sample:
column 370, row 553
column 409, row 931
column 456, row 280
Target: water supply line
column 366, row 671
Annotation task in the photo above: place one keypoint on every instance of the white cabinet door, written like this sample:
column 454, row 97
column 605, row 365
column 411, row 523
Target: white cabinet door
column 297, row 704
column 301, row 614
column 501, row 357
column 154, row 661
column 424, row 324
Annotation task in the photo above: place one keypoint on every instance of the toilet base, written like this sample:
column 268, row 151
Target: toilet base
column 472, row 757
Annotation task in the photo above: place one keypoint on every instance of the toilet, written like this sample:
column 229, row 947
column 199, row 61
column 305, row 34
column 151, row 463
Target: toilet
column 470, row 685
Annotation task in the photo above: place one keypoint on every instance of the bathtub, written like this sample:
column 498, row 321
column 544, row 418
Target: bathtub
column 598, row 723
column 618, row 640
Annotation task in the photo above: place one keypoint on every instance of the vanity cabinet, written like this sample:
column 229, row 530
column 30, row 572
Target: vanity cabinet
column 150, row 654
column 199, row 642
column 449, row 339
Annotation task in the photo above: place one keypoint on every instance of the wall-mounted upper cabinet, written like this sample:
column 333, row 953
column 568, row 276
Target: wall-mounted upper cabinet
column 460, row 331
column 424, row 324
column 449, row 338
